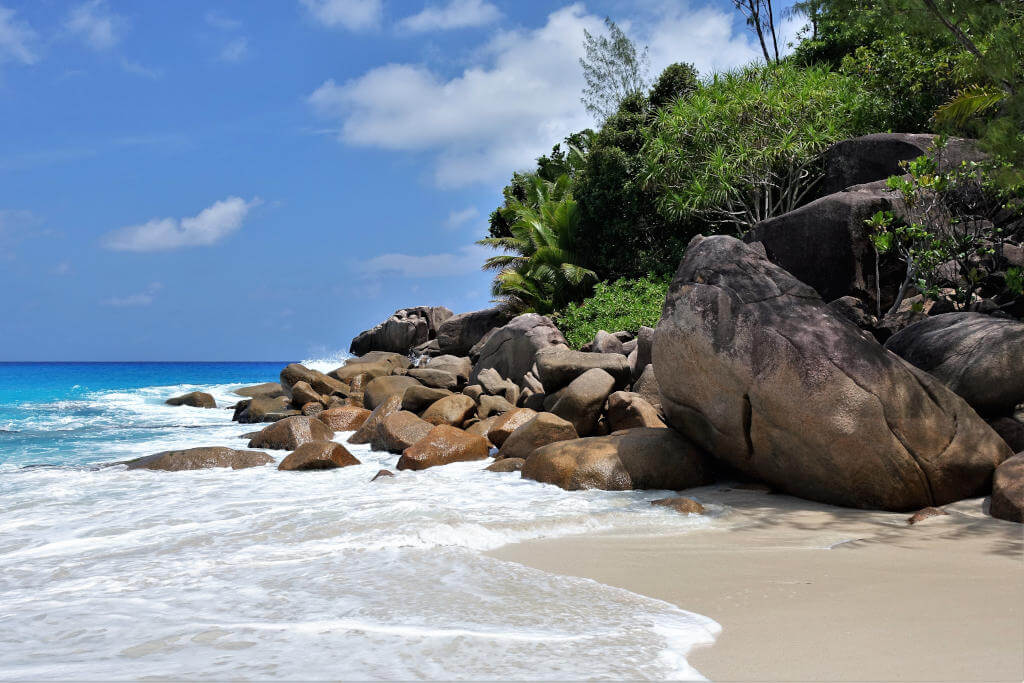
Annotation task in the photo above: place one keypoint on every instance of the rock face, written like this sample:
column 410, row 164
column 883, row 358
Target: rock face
column 581, row 402
column 195, row 399
column 627, row 410
column 559, row 366
column 1008, row 490
column 200, row 459
column 404, row 330
column 290, row 433
column 443, row 445
column 979, row 357
column 511, row 348
column 634, row 459
column 460, row 366
column 378, row 390
column 541, row 430
column 344, row 418
column 318, row 455
column 458, row 334
column 265, row 390
column 363, row 435
column 1012, row 432
column 398, row 431
column 646, row 386
column 755, row 368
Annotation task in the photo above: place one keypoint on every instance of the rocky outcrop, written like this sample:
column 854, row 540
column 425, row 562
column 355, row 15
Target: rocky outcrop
column 344, row 418
column 365, row 433
column 581, row 402
column 406, row 329
column 634, row 459
column 755, row 368
column 1008, row 490
column 541, row 430
column 626, row 410
column 510, row 350
column 290, row 433
column 318, row 381
column 318, row 455
column 398, row 431
column 302, row 394
column 460, row 366
column 380, row 389
column 979, row 357
column 194, row 399
column 442, row 446
column 200, row 459
column 458, row 334
column 558, row 366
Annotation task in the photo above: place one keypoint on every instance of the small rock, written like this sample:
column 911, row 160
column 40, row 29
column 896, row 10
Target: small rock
column 194, row 399
column 686, row 506
column 382, row 473
column 506, row 465
column 924, row 514
column 318, row 455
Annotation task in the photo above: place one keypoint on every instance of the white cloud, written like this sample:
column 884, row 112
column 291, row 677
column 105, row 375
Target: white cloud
column 522, row 97
column 95, row 24
column 136, row 69
column 144, row 298
column 457, row 219
column 16, row 39
column 354, row 15
column 209, row 226
column 455, row 14
column 235, row 51
column 462, row 262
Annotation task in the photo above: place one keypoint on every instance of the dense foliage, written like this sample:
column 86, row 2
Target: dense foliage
column 626, row 304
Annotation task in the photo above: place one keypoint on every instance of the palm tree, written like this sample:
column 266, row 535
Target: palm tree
column 540, row 270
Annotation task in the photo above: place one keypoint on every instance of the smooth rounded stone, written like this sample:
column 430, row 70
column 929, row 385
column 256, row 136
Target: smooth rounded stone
column 1008, row 490
column 506, row 465
column 644, row 344
column 381, row 388
column 581, row 402
column 504, row 425
column 312, row 409
column 1011, row 431
column 681, row 504
column 493, row 405
column 302, row 394
column 634, row 459
column 443, row 445
column 369, row 371
column 436, row 379
column 496, row 385
column 398, row 431
column 451, row 410
column 200, row 459
column 626, row 410
column 247, row 435
column 397, row 361
column 979, row 357
column 483, row 427
column 416, row 399
column 924, row 514
column 646, row 386
column 460, row 366
column 318, row 455
column 474, row 391
column 754, row 367
column 381, row 474
column 629, row 347
column 510, row 349
column 344, row 418
column 558, row 367
column 265, row 390
column 263, row 410
column 319, row 382
column 366, row 431
column 194, row 399
column 459, row 333
column 406, row 329
column 606, row 343
column 291, row 432
column 542, row 429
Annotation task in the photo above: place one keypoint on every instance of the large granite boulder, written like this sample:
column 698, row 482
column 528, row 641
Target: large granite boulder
column 417, row 398
column 378, row 390
column 633, row 459
column 392, row 404
column 460, row 333
column 290, row 433
column 644, row 342
column 362, row 372
column 754, row 368
column 200, row 459
column 318, row 381
column 627, row 410
column 398, row 431
column 581, row 402
column 302, row 394
column 451, row 410
column 1008, row 490
column 397, row 361
column 265, row 390
column 504, row 425
column 435, row 379
column 406, row 329
column 261, row 409
column 979, row 357
column 443, row 445
column 1012, row 432
column 460, row 366
column 318, row 455
column 344, row 418
column 558, row 366
column 510, row 350
column 194, row 399
column 540, row 430
column 646, row 386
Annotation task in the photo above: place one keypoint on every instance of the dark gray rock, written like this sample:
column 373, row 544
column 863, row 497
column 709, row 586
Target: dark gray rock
column 581, row 402
column 458, row 334
column 558, row 366
column 194, row 399
column 406, row 329
column 511, row 349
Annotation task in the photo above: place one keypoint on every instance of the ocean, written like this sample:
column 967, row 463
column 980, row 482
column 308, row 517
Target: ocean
column 256, row 574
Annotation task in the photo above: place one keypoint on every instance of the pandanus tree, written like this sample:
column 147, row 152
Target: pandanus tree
column 540, row 271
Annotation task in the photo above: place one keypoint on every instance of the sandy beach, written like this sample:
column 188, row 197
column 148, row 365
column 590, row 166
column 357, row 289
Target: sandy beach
column 812, row 592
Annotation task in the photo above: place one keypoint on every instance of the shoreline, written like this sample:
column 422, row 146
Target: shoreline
column 806, row 591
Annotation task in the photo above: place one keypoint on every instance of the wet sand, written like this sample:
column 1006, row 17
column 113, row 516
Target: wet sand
column 809, row 592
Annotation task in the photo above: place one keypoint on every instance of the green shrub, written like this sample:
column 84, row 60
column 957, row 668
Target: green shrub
column 626, row 304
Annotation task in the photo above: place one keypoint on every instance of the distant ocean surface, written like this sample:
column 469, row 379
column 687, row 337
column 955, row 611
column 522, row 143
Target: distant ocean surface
column 257, row 574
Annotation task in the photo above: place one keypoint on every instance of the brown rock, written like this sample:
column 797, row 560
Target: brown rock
column 437, row 379
column 194, row 399
column 627, row 410
column 581, row 402
column 200, row 459
column 494, row 405
column 634, row 459
column 687, row 506
column 398, row 431
column 382, row 473
column 646, row 386
column 510, row 349
column 312, row 409
column 302, row 394
column 416, row 399
column 460, row 366
column 926, row 513
column 483, row 427
column 558, row 366
column 290, row 433
column 263, row 410
column 344, row 418
column 542, row 429
column 505, row 424
column 368, row 371
column 506, row 465
column 318, row 455
column 366, row 431
column 1008, row 490
column 379, row 389
column 474, row 391
column 443, row 445
column 452, row 410
column 1011, row 430
column 265, row 390
column 320, row 383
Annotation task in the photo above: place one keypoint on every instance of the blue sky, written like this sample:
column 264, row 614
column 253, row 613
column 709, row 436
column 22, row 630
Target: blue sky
column 261, row 179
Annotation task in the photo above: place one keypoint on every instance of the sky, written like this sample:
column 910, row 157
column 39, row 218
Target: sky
column 262, row 179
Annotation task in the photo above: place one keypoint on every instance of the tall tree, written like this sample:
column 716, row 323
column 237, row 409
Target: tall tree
column 613, row 70
column 760, row 16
